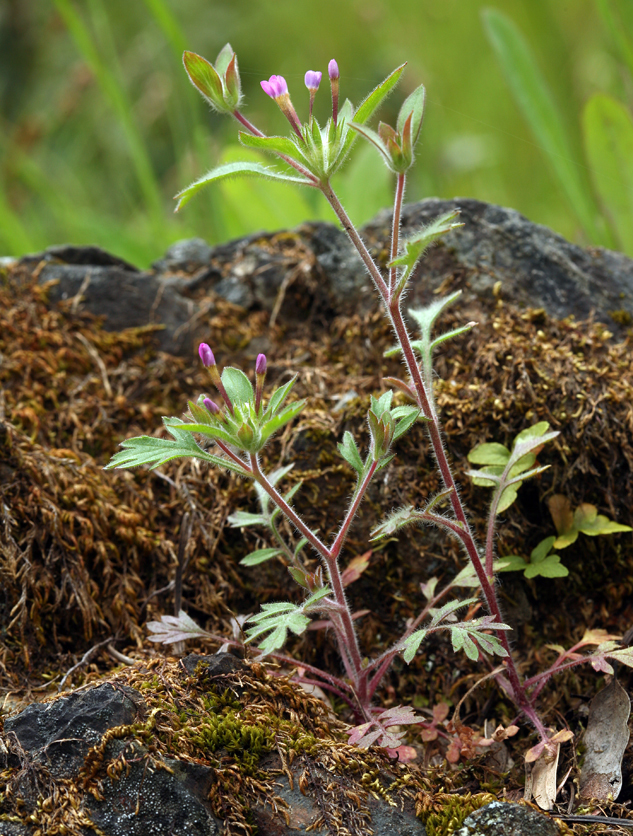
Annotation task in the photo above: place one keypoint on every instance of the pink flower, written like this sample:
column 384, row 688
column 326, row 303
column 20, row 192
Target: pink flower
column 211, row 406
column 206, row 355
column 312, row 80
column 260, row 365
column 275, row 87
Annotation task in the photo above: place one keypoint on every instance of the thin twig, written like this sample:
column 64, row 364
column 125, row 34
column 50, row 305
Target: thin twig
column 85, row 658
column 120, row 657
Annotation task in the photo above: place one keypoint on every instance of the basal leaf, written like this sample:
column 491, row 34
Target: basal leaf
column 489, row 453
column 542, row 550
column 549, row 567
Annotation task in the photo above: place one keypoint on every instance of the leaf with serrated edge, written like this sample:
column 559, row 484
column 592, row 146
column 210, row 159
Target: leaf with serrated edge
column 412, row 643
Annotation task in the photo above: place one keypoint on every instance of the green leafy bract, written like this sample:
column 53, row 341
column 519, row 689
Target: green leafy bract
column 237, row 385
column 542, row 562
column 587, row 520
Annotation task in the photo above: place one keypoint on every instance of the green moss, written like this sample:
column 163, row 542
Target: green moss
column 453, row 811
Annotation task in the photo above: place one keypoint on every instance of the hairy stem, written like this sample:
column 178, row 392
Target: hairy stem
column 395, row 228
column 392, row 303
column 286, row 509
column 351, row 512
column 227, row 451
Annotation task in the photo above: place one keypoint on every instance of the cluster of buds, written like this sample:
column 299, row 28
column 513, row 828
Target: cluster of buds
column 277, row 88
column 244, row 425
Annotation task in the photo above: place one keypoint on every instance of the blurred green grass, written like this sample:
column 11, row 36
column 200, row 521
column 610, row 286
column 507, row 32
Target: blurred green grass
column 99, row 126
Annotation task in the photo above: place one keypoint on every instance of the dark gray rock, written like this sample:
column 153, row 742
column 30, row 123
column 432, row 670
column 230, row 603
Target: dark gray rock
column 59, row 734
column 501, row 819
column 47, row 745
column 188, row 255
column 315, row 272
column 535, row 266
column 125, row 299
column 142, row 802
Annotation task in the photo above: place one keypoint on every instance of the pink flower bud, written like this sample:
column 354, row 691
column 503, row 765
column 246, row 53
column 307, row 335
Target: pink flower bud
column 206, row 355
column 213, row 408
column 313, row 79
column 260, row 365
column 332, row 70
column 275, row 86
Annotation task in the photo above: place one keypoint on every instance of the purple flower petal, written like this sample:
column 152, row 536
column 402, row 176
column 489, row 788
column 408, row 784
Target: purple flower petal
column 313, row 79
column 275, row 86
column 332, row 70
column 206, row 355
column 211, row 406
column 260, row 365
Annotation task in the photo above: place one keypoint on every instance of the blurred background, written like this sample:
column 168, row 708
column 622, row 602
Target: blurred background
column 528, row 106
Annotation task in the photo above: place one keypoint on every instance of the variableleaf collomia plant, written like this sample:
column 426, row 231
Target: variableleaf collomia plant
column 243, row 420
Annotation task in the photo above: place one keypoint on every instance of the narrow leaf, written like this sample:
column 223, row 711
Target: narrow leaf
column 230, row 170
column 259, row 556
column 369, row 105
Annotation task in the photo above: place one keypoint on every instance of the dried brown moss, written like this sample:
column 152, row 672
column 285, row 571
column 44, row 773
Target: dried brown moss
column 84, row 552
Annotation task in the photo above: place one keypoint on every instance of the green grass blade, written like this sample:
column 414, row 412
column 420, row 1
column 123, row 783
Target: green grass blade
column 14, row 239
column 535, row 100
column 115, row 93
column 617, row 31
column 608, row 135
